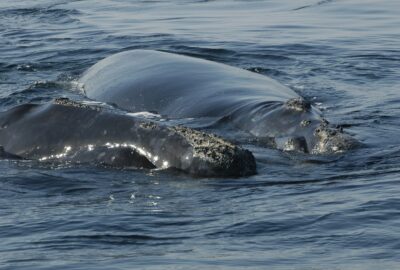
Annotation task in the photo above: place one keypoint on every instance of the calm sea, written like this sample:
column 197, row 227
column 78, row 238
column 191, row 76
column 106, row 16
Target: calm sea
column 299, row 212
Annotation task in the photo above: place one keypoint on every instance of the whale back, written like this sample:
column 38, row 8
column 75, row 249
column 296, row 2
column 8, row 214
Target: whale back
column 177, row 86
column 184, row 87
column 66, row 131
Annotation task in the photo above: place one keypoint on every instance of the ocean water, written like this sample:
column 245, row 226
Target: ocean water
column 298, row 212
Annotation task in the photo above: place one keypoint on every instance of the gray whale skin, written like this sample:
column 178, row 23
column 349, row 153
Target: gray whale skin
column 184, row 87
column 68, row 131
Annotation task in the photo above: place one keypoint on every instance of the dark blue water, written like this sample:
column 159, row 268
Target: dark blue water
column 299, row 212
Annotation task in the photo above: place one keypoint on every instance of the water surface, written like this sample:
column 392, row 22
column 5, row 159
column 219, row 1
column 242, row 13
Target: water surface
column 299, row 212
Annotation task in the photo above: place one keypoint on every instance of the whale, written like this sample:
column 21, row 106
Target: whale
column 180, row 87
column 75, row 132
